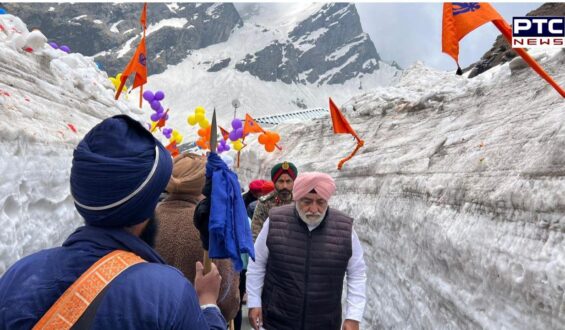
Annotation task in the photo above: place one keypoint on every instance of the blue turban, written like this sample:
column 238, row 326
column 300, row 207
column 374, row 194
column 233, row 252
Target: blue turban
column 119, row 170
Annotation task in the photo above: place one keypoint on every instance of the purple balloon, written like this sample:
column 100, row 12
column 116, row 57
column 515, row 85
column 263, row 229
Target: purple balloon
column 65, row 48
column 155, row 117
column 239, row 132
column 160, row 110
column 159, row 95
column 155, row 105
column 236, row 123
column 167, row 132
column 233, row 135
column 53, row 44
column 148, row 96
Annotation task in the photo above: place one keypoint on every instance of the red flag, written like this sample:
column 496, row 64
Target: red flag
column 172, row 148
column 137, row 65
column 341, row 126
column 143, row 18
column 225, row 133
column 461, row 18
column 250, row 126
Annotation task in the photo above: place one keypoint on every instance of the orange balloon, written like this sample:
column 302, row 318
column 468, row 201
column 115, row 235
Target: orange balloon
column 262, row 138
column 276, row 137
column 269, row 147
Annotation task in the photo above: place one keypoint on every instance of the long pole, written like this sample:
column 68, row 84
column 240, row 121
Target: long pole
column 141, row 87
column 507, row 33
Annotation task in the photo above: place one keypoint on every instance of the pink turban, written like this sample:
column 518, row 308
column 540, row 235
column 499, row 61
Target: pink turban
column 322, row 183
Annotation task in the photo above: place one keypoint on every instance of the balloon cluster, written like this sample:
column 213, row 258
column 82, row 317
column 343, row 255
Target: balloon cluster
column 155, row 102
column 64, row 48
column 223, row 146
column 236, row 135
column 204, row 141
column 174, row 136
column 167, row 132
column 198, row 117
column 116, row 81
column 269, row 139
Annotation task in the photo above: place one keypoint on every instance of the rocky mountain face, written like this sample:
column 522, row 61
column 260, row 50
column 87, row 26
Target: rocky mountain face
column 501, row 51
column 328, row 47
column 111, row 32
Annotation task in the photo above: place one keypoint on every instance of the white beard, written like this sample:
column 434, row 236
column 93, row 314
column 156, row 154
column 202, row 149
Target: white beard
column 311, row 219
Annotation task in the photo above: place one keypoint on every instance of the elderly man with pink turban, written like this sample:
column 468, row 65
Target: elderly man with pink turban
column 302, row 255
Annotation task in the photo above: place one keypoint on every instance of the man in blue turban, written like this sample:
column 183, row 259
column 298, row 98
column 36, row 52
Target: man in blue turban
column 106, row 276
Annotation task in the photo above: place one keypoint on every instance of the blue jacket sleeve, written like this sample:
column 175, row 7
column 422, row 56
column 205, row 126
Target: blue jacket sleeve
column 190, row 316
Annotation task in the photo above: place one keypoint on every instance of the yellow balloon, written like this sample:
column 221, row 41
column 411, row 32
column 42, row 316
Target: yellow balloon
column 199, row 117
column 237, row 145
column 204, row 123
column 199, row 109
column 119, row 76
column 192, row 120
column 176, row 138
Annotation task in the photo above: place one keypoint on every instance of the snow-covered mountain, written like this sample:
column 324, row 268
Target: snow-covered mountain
column 306, row 52
column 457, row 193
column 284, row 58
column 110, row 32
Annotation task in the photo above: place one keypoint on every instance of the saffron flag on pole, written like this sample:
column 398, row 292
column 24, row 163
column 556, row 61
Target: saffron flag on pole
column 341, row 126
column 461, row 18
column 251, row 126
column 225, row 133
column 138, row 66
column 143, row 18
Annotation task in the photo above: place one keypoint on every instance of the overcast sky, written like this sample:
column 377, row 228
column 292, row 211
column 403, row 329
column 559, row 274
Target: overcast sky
column 407, row 32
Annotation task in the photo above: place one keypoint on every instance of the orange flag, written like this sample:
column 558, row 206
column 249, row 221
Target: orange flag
column 143, row 18
column 137, row 65
column 341, row 126
column 250, row 126
column 461, row 18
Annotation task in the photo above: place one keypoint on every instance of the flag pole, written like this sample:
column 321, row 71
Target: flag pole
column 141, row 87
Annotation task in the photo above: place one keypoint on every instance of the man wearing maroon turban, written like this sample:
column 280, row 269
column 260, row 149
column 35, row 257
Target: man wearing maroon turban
column 282, row 175
column 302, row 255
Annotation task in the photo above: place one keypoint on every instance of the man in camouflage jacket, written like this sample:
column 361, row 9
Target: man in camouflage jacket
column 283, row 175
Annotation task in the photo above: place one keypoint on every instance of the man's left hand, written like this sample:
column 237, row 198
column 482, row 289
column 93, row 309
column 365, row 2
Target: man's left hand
column 350, row 325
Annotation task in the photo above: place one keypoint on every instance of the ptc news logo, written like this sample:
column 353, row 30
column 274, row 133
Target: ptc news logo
column 538, row 32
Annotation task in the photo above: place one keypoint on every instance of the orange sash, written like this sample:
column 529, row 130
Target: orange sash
column 71, row 305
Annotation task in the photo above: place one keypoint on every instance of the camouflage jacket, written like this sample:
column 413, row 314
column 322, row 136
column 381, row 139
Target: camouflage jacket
column 261, row 213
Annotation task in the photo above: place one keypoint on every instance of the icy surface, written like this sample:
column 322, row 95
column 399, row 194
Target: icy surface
column 45, row 96
column 458, row 196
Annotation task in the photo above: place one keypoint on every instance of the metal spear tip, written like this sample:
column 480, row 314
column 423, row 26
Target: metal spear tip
column 213, row 133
